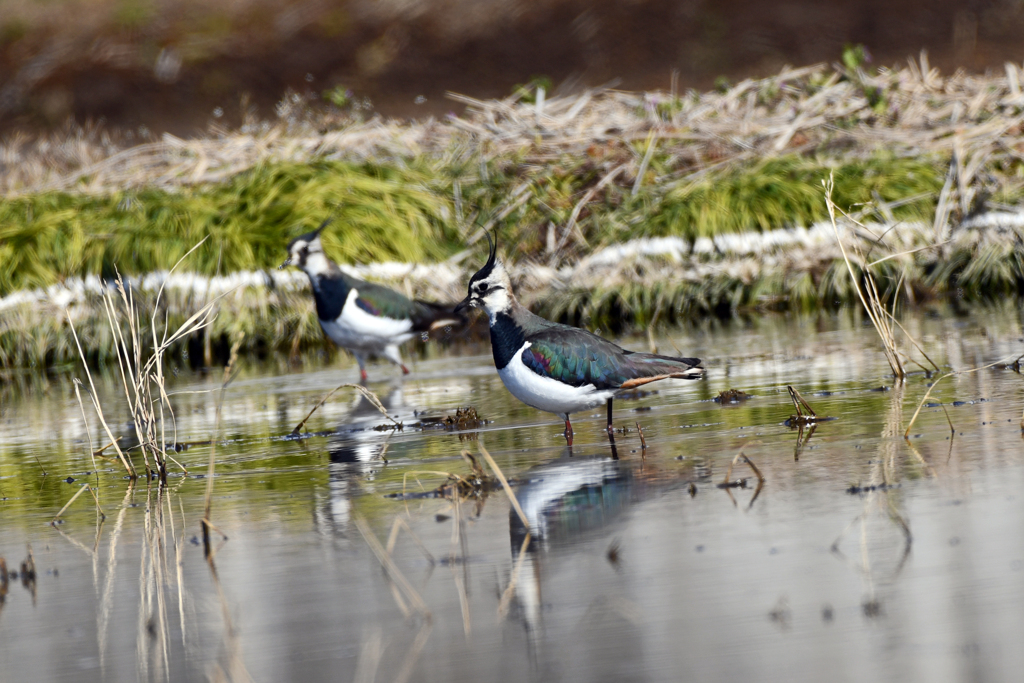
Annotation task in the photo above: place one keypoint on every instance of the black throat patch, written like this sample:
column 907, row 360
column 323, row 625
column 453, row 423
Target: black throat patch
column 330, row 293
column 506, row 338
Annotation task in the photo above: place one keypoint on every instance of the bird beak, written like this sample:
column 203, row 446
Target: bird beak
column 287, row 262
column 463, row 305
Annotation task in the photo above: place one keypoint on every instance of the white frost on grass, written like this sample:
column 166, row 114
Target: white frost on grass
column 743, row 255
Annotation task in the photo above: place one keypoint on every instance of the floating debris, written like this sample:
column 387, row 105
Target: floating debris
column 731, row 396
column 802, row 418
column 463, row 419
column 781, row 613
column 4, row 581
column 613, row 554
column 856, row 490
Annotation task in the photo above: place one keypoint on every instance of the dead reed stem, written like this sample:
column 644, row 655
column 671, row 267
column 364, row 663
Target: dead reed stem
column 799, row 401
column 88, row 430
column 875, row 310
column 370, row 396
column 393, row 539
column 207, row 523
column 81, row 490
column 740, row 457
column 96, row 401
column 936, row 383
column 392, row 569
column 506, row 597
column 504, row 484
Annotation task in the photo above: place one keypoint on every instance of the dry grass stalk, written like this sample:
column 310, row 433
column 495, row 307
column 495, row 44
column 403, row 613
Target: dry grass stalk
column 414, row 652
column 506, row 597
column 81, row 490
column 928, row 393
column 798, row 402
column 400, row 524
column 392, row 569
column 207, row 524
column 88, row 430
column 740, row 457
column 128, row 466
column 99, row 452
column 140, row 375
column 872, row 303
column 966, row 116
column 369, row 395
column 504, row 484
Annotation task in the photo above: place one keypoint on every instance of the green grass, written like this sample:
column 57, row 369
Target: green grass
column 406, row 212
column 787, row 191
column 382, row 213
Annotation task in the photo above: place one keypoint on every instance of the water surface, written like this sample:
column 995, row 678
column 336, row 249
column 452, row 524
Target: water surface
column 864, row 556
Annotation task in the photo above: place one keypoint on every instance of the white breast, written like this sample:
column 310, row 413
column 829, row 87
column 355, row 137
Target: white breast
column 548, row 394
column 355, row 328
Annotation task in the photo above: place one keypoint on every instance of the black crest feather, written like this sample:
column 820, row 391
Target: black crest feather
column 310, row 236
column 491, row 260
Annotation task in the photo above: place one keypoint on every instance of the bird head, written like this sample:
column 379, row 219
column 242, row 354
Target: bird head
column 306, row 251
column 490, row 287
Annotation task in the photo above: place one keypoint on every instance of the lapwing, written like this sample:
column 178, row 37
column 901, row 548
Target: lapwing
column 558, row 368
column 365, row 318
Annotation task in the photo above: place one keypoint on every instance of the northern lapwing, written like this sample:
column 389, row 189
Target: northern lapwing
column 555, row 367
column 367, row 319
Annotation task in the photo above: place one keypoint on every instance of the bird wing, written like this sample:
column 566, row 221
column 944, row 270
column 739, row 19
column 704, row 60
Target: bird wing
column 578, row 358
column 382, row 302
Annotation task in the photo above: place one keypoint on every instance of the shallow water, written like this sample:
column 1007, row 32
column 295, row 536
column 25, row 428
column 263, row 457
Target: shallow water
column 636, row 568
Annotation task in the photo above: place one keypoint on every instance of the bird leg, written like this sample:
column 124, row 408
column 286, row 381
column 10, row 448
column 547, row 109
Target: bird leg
column 611, row 429
column 361, row 359
column 568, row 431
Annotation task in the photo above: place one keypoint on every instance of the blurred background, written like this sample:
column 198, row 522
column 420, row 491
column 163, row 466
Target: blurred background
column 178, row 65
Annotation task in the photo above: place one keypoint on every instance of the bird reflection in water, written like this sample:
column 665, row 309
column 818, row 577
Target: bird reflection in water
column 357, row 451
column 564, row 502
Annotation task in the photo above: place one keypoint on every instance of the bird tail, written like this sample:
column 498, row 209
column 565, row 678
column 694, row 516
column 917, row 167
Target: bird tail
column 651, row 367
column 433, row 316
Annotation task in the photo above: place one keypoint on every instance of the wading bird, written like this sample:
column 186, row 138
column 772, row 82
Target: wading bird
column 367, row 319
column 554, row 367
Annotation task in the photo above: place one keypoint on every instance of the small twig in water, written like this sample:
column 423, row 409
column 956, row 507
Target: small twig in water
column 370, row 396
column 81, row 490
column 936, row 383
column 798, row 401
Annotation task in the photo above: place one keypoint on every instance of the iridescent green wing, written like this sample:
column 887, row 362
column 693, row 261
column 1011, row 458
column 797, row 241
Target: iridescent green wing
column 578, row 358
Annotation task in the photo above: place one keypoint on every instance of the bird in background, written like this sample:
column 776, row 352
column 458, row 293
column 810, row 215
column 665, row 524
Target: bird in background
column 558, row 368
column 365, row 318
